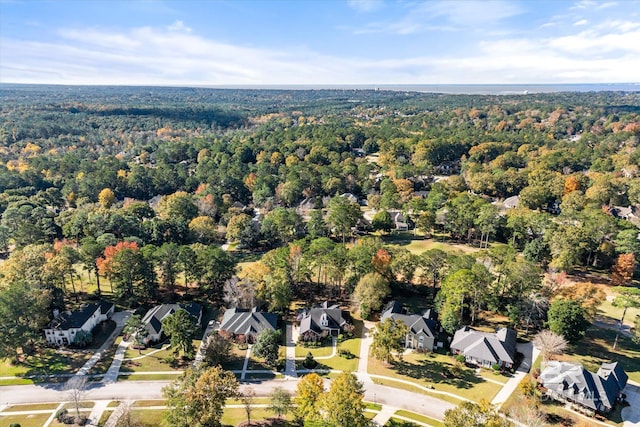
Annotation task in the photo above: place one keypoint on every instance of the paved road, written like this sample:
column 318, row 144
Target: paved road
column 140, row 390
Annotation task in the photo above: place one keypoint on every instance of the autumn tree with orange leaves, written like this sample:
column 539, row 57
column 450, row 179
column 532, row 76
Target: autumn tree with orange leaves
column 131, row 274
column 623, row 269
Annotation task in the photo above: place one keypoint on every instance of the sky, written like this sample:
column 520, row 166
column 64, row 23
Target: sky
column 314, row 42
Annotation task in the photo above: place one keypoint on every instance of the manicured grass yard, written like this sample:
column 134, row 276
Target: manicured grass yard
column 322, row 351
column 234, row 416
column 32, row 407
column 45, row 361
column 421, row 418
column 395, row 422
column 418, row 244
column 36, row 420
column 607, row 309
column 154, row 361
column 237, row 359
column 595, row 349
column 338, row 362
column 433, row 370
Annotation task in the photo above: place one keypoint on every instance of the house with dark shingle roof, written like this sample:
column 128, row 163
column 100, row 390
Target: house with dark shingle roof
column 485, row 349
column 570, row 382
column 323, row 321
column 247, row 324
column 63, row 328
column 153, row 318
column 423, row 329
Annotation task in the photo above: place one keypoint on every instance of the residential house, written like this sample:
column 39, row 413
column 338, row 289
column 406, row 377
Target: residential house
column 154, row 317
column 320, row 322
column 423, row 329
column 245, row 325
column 486, row 349
column 63, row 328
column 628, row 213
column 570, row 382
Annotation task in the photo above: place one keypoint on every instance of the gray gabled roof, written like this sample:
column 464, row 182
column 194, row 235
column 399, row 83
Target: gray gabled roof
column 247, row 322
column 496, row 347
column 415, row 322
column 596, row 391
column 154, row 317
column 314, row 320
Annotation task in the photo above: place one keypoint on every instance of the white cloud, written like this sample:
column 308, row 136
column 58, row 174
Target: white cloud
column 179, row 26
column 580, row 22
column 604, row 52
column 365, row 5
column 446, row 16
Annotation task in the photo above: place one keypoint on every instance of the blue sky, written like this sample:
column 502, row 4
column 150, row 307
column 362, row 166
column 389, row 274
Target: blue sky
column 330, row 42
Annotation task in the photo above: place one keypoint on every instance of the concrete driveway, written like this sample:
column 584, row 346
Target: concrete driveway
column 528, row 350
column 631, row 414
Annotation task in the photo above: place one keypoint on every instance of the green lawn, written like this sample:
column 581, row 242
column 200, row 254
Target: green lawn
column 234, row 416
column 338, row 362
column 418, row 244
column 395, row 422
column 153, row 362
column 421, row 418
column 237, row 359
column 434, row 370
column 607, row 309
column 149, row 377
column 325, row 350
column 45, row 361
column 32, row 407
column 36, row 420
column 595, row 349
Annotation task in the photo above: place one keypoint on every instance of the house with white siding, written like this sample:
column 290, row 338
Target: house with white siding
column 62, row 330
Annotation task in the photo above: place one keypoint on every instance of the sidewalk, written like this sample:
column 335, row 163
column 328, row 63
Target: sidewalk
column 365, row 343
column 96, row 412
column 246, row 363
column 383, row 416
column 290, row 369
column 114, row 369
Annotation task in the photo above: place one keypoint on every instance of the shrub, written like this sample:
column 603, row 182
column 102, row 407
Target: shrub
column 496, row 367
column 535, row 373
column 61, row 415
column 460, row 358
column 309, row 362
column 345, row 353
column 82, row 339
column 14, row 425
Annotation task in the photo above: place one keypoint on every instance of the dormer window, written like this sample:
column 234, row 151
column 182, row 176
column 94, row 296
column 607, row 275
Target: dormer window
column 324, row 321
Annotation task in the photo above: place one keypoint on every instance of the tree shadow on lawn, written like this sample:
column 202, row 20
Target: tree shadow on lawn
column 46, row 362
column 595, row 349
column 438, row 373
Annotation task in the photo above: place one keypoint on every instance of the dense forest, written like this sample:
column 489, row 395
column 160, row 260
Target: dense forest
column 141, row 185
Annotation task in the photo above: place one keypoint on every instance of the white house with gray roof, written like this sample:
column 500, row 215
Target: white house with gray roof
column 63, row 328
column 570, row 382
column 486, row 349
column 422, row 329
